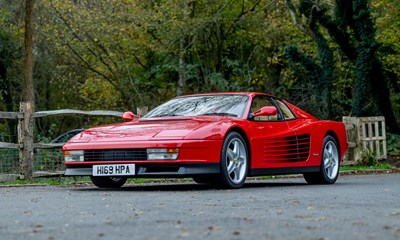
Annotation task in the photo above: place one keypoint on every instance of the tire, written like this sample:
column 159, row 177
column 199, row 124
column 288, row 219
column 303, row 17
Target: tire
column 234, row 162
column 205, row 179
column 330, row 164
column 108, row 182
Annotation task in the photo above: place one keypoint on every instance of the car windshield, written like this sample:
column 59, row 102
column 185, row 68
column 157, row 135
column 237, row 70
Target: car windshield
column 204, row 105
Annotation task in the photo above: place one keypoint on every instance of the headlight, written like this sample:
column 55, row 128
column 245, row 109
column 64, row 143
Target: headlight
column 162, row 153
column 74, row 156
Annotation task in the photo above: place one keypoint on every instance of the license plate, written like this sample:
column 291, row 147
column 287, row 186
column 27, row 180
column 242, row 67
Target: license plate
column 114, row 170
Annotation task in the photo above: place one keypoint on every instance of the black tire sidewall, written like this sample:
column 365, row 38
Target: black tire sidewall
column 323, row 173
column 224, row 178
column 108, row 182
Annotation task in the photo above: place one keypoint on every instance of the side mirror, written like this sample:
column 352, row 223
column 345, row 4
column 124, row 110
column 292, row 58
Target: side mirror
column 128, row 116
column 266, row 111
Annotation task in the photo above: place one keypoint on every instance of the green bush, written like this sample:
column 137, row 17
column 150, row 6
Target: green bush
column 393, row 143
column 369, row 158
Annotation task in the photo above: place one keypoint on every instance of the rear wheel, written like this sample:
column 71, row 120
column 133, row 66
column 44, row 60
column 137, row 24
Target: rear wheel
column 329, row 170
column 108, row 182
column 234, row 161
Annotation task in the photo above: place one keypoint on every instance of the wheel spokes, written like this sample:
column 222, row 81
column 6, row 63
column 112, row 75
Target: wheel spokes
column 236, row 173
column 231, row 167
column 230, row 154
column 236, row 161
column 236, row 149
column 331, row 159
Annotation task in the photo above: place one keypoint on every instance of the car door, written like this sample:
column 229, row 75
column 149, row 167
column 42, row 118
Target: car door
column 272, row 139
column 301, row 129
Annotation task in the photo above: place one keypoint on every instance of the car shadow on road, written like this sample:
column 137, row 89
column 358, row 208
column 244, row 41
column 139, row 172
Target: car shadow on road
column 189, row 186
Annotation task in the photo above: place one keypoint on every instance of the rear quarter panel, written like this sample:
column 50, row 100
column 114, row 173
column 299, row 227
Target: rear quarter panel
column 318, row 130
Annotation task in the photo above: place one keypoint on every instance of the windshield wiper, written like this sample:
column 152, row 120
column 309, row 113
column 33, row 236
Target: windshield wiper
column 218, row 114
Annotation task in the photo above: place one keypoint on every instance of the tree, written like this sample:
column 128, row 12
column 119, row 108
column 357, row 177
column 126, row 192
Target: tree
column 26, row 125
column 386, row 14
column 8, row 52
column 10, row 64
column 321, row 74
column 352, row 29
column 143, row 52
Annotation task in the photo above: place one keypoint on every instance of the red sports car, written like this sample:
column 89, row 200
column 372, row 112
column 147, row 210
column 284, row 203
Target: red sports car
column 215, row 138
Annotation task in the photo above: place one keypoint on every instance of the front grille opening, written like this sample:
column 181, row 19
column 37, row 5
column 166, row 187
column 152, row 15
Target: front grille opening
column 161, row 169
column 115, row 155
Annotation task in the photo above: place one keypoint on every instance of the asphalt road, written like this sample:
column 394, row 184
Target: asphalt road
column 356, row 207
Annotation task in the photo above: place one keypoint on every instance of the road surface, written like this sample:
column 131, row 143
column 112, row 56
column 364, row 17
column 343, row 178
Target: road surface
column 356, row 207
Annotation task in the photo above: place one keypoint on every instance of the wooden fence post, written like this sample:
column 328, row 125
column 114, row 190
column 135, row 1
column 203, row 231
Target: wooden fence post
column 25, row 141
column 352, row 138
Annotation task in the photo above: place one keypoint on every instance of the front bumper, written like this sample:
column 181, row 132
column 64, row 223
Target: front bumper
column 155, row 170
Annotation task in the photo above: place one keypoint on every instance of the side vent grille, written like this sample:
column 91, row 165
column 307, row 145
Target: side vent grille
column 290, row 149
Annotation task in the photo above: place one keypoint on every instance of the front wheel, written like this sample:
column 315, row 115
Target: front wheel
column 205, row 179
column 329, row 170
column 108, row 182
column 234, row 161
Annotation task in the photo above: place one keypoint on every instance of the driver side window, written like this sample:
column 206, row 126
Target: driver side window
column 263, row 101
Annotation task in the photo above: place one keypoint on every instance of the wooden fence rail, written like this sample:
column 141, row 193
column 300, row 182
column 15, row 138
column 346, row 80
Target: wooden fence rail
column 73, row 111
column 17, row 116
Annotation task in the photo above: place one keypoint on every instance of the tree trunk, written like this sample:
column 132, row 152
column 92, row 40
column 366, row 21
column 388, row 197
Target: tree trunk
column 28, row 107
column 182, row 67
column 181, row 89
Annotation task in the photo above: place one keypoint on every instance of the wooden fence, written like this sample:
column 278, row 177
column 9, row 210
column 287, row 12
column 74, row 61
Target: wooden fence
column 19, row 116
column 366, row 136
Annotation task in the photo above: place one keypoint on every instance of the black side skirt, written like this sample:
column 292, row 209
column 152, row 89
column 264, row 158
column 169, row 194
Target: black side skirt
column 282, row 171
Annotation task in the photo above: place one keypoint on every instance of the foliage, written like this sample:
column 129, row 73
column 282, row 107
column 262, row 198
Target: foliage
column 146, row 65
column 10, row 65
column 349, row 25
column 393, row 143
column 123, row 54
column 319, row 74
column 387, row 22
column 369, row 158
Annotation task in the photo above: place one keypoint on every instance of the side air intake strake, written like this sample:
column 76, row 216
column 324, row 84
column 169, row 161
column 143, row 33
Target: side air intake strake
column 290, row 149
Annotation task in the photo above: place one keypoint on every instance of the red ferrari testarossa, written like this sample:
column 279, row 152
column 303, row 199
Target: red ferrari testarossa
column 215, row 138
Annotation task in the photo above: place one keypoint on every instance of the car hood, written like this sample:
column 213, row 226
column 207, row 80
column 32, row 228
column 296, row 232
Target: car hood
column 154, row 129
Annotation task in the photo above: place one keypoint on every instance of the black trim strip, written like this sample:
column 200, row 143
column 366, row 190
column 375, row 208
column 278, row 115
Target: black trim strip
column 153, row 170
column 282, row 171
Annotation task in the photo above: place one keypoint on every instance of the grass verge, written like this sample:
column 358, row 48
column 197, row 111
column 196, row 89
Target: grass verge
column 381, row 166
